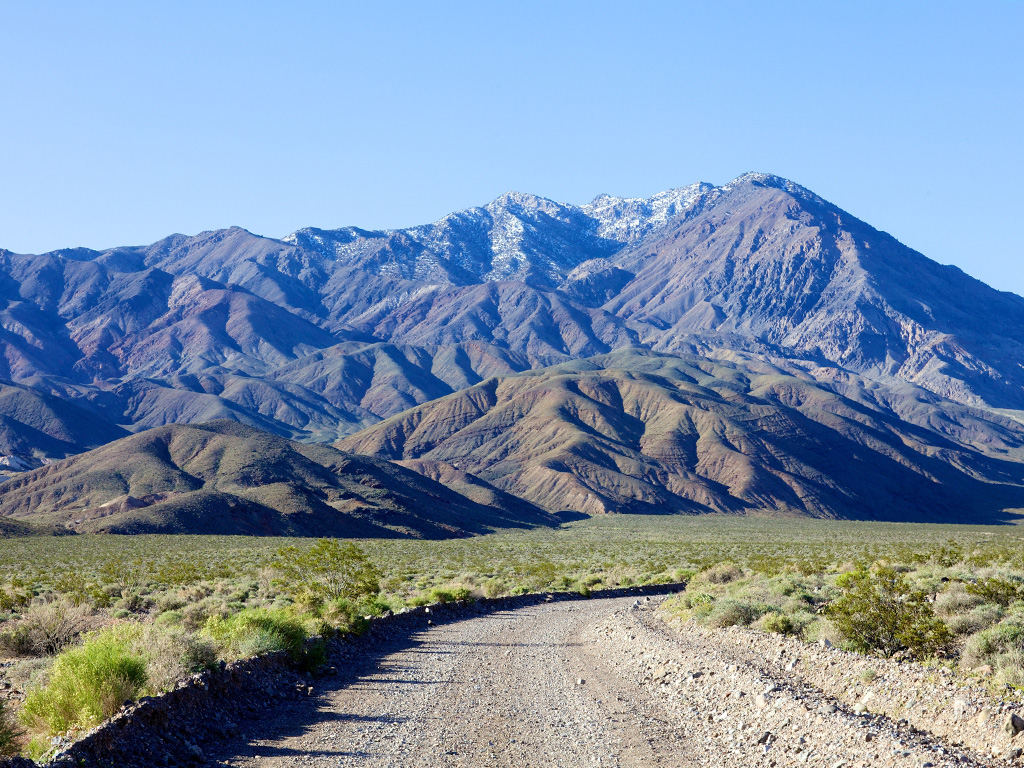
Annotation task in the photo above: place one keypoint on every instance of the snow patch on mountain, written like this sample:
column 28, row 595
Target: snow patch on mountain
column 627, row 219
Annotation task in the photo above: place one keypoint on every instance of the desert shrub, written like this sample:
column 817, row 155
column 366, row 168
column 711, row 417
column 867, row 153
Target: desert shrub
column 948, row 555
column 314, row 657
column 172, row 654
column 779, row 623
column 880, row 612
column 29, row 672
column 784, row 585
column 376, row 606
column 47, row 628
column 982, row 617
column 1001, row 647
column 956, row 600
column 722, row 573
column 169, row 618
column 10, row 734
column 197, row 592
column 995, row 590
column 328, row 570
column 170, row 602
column 496, row 587
column 819, row 628
column 696, row 599
column 16, row 641
column 343, row 616
column 87, row 684
column 53, row 626
column 728, row 613
column 255, row 631
column 133, row 602
column 449, row 594
column 125, row 575
column 195, row 615
column 796, row 603
column 338, row 613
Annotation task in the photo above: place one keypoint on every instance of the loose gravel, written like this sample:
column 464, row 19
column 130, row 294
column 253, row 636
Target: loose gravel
column 604, row 682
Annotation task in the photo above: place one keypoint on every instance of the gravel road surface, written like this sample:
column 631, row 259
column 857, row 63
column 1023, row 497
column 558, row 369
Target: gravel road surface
column 600, row 682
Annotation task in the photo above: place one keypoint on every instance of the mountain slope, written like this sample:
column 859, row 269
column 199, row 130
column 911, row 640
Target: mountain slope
column 636, row 432
column 34, row 422
column 226, row 478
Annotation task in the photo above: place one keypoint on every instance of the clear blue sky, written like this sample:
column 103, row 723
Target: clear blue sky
column 125, row 122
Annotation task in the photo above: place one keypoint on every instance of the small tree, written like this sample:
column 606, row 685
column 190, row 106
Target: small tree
column 328, row 570
column 880, row 612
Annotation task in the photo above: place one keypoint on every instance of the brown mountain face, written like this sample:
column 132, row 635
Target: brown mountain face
column 226, row 478
column 641, row 432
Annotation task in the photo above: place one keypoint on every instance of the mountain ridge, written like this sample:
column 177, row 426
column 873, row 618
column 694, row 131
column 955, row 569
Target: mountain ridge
column 638, row 431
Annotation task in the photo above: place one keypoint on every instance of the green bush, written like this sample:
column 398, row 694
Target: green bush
column 880, row 612
column 450, row 594
column 1002, row 647
column 255, row 631
column 329, row 570
column 169, row 618
column 87, row 684
column 779, row 623
column 728, row 613
column 172, row 654
column 999, row 591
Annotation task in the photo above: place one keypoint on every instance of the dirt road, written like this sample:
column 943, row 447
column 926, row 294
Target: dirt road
column 575, row 683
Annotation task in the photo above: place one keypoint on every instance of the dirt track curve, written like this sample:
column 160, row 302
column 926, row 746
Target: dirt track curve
column 575, row 683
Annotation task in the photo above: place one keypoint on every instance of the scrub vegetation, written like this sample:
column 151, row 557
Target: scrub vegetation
column 87, row 622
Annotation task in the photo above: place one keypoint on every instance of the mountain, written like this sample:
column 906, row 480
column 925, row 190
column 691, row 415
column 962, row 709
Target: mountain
column 226, row 478
column 644, row 432
column 323, row 334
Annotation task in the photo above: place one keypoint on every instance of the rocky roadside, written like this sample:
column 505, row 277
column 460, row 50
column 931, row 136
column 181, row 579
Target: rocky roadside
column 750, row 698
column 174, row 728
column 958, row 708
